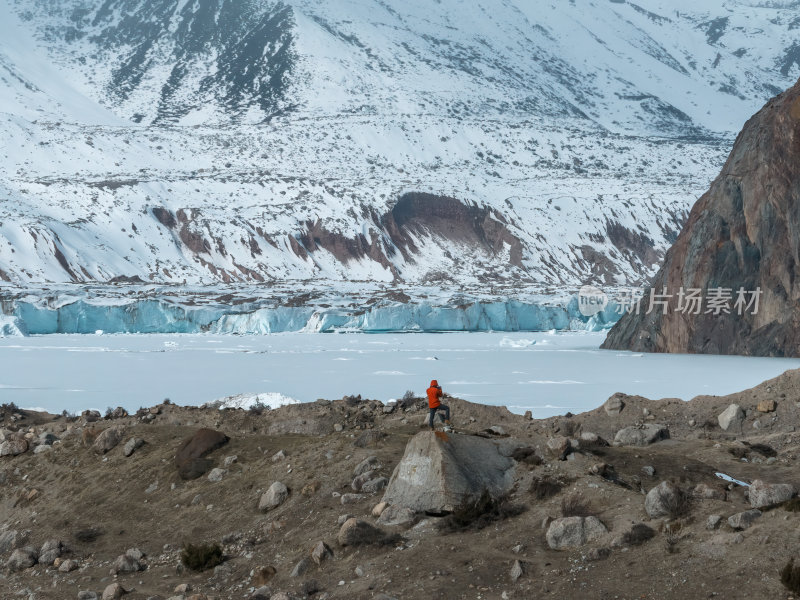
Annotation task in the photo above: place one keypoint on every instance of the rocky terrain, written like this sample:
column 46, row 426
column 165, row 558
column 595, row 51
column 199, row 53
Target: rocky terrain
column 741, row 234
column 354, row 499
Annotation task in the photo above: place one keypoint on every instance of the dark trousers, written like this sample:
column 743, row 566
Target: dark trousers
column 444, row 417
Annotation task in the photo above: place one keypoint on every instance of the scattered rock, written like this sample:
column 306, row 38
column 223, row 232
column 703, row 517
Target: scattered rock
column 301, row 568
column 87, row 595
column 132, row 445
column 371, row 463
column 50, row 551
column 649, row 471
column 641, row 435
column 438, row 472
column 14, row 447
column 278, row 456
column 497, row 430
column 389, row 408
column 68, row 566
column 22, row 558
column 273, row 497
column 662, row 500
column 125, row 564
column 559, row 447
column 516, row 571
column 229, row 460
column 743, row 520
column 528, row 415
column 767, row 406
column 113, row 592
column 361, row 479
column 572, row 532
column 107, row 440
column 763, row 494
column 733, row 416
column 42, row 449
column 310, row 489
column 216, row 475
column 351, row 498
column 9, row 540
column 706, row 492
column 614, row 405
column 321, row 552
column 397, row 516
column 355, row 532
column 378, row 509
column 374, row 485
column 713, row 521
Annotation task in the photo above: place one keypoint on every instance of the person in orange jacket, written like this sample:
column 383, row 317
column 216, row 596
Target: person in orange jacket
column 435, row 404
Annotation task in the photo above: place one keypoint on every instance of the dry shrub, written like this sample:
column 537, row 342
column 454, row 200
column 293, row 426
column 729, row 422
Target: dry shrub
column 790, row 577
column 576, row 506
column 678, row 505
column 671, row 542
column 200, row 557
column 545, row 487
column 477, row 514
column 638, row 535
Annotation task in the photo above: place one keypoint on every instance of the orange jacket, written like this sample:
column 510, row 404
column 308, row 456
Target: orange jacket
column 434, row 394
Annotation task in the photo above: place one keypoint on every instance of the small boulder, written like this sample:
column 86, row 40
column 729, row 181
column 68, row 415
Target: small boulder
column 614, row 405
column 706, row 492
column 497, row 430
column 301, row 568
column 125, row 564
column 87, row 595
column 351, row 498
column 320, row 552
column 50, row 551
column 559, row 447
column 713, row 521
column 361, row 479
column 731, row 417
column 641, row 435
column 273, row 497
column 132, row 445
column 743, row 520
column 107, row 440
column 68, row 566
column 663, row 500
column 763, row 494
column 371, row 463
column 397, row 516
column 374, row 485
column 355, row 532
column 573, row 532
column 263, row 575
column 216, row 475
column 767, row 406
column 22, row 558
column 279, row 456
column 14, row 446
column 10, row 539
column 378, row 509
column 113, row 591
column 516, row 571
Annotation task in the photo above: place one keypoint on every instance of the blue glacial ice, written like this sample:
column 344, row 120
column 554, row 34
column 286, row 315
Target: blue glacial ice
column 23, row 317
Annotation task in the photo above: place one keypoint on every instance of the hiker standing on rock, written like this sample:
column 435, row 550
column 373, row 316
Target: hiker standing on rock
column 434, row 404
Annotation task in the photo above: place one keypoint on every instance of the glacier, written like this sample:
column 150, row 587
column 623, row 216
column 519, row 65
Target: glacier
column 83, row 316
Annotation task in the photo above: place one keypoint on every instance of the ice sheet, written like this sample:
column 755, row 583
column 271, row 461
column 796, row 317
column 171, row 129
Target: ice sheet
column 77, row 372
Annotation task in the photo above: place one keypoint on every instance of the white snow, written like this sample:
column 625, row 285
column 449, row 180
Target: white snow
column 246, row 401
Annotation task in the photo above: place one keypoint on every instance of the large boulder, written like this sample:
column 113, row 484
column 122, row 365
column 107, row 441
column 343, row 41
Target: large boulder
column 108, row 440
column 641, row 435
column 731, row 418
column 740, row 235
column 273, row 497
column 573, row 532
column 663, row 500
column 763, row 494
column 190, row 456
column 14, row 446
column 439, row 471
column 744, row 519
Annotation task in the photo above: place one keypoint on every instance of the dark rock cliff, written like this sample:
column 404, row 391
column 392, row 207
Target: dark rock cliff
column 744, row 233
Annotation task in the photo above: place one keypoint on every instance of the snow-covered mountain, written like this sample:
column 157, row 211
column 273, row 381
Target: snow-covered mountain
column 204, row 141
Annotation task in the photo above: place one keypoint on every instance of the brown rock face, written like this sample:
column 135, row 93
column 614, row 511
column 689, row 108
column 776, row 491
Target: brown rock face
column 744, row 233
column 189, row 457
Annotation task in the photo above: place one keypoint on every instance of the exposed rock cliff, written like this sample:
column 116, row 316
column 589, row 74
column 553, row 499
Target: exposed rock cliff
column 744, row 233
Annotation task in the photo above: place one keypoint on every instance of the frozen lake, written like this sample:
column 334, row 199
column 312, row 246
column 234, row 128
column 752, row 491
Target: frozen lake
column 547, row 373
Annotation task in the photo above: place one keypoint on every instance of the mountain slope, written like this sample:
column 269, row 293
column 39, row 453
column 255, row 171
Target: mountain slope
column 362, row 139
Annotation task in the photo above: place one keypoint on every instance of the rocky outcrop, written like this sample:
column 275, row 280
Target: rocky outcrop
column 744, row 233
column 438, row 472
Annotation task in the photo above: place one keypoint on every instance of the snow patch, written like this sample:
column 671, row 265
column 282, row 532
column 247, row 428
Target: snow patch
column 246, row 401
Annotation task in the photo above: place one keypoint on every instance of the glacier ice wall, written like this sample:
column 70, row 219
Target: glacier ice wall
column 160, row 316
